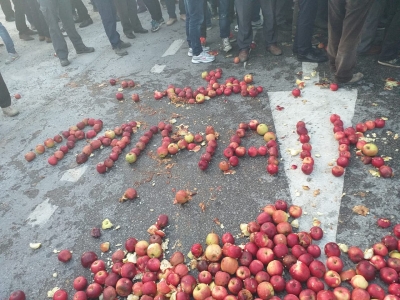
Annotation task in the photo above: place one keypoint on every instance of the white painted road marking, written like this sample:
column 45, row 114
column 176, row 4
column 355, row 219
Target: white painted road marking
column 320, row 104
column 73, row 175
column 173, row 48
column 157, row 69
column 42, row 213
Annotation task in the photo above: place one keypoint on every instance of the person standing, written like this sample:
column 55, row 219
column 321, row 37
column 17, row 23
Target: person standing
column 302, row 46
column 38, row 20
column 7, row 10
column 391, row 43
column 52, row 10
column 5, row 100
column 127, row 11
column 157, row 19
column 20, row 22
column 171, row 11
column 224, row 24
column 108, row 16
column 194, row 19
column 12, row 54
column 345, row 22
column 83, row 14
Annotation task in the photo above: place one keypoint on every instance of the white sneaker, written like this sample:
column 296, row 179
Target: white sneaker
column 12, row 57
column 10, row 111
column 203, row 57
column 190, row 52
column 226, row 44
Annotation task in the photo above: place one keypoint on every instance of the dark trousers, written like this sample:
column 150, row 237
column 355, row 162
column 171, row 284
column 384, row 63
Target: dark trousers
column 390, row 46
column 346, row 19
column 53, row 10
column 244, row 16
column 20, row 22
column 194, row 19
column 38, row 18
column 7, row 9
column 270, row 32
column 83, row 13
column 154, row 9
column 5, row 98
column 305, row 26
column 127, row 11
column 108, row 16
column 224, row 18
column 171, row 8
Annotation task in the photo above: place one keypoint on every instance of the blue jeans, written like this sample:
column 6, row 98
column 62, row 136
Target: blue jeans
column 194, row 19
column 108, row 14
column 224, row 21
column 7, row 39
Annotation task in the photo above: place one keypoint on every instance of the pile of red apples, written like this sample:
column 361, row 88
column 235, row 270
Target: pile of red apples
column 276, row 262
column 308, row 162
column 213, row 89
column 354, row 136
column 128, row 83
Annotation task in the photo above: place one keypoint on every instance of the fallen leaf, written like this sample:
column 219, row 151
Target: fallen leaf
column 374, row 173
column 316, row 192
column 216, row 221
column 202, row 206
column 361, row 210
column 306, row 187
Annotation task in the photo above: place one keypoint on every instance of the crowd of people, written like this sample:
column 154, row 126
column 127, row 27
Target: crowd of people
column 352, row 26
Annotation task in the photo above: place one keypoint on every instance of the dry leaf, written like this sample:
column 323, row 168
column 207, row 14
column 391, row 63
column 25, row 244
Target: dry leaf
column 361, row 210
column 216, row 221
column 375, row 173
column 316, row 192
column 306, row 187
column 202, row 206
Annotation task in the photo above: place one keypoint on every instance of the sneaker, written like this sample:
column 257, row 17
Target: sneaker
column 48, row 40
column 226, row 45
column 10, row 111
column 257, row 25
column 121, row 52
column 155, row 26
column 85, row 50
column 203, row 57
column 161, row 21
column 11, row 58
column 64, row 62
column 124, row 45
column 236, row 28
column 390, row 63
column 190, row 52
column 171, row 21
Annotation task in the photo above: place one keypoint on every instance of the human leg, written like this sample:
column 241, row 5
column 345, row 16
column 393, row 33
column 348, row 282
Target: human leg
column 270, row 31
column 109, row 19
column 305, row 26
column 244, row 15
column 38, row 18
column 7, row 10
column 5, row 36
column 392, row 37
column 124, row 14
column 171, row 8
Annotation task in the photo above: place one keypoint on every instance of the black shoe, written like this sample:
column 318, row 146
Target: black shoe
column 77, row 19
column 312, row 57
column 10, row 19
column 86, row 23
column 124, row 45
column 64, row 62
column 30, row 32
column 85, row 50
column 130, row 35
column 141, row 30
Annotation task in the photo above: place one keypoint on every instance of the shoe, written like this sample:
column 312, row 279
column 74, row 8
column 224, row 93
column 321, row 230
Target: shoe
column 183, row 17
column 124, row 45
column 48, row 40
column 10, row 111
column 141, row 9
column 203, row 57
column 41, row 38
column 257, row 25
column 121, row 52
column 312, row 56
column 374, row 50
column 86, row 23
column 155, row 26
column 31, row 32
column 161, row 21
column 10, row 19
column 356, row 78
column 285, row 27
column 77, row 19
column 209, row 27
column 12, row 57
column 85, row 50
column 64, row 62
column 130, row 35
column 390, row 63
column 141, row 30
column 25, row 37
column 190, row 52
column 171, row 21
column 243, row 55
column 274, row 50
column 226, row 45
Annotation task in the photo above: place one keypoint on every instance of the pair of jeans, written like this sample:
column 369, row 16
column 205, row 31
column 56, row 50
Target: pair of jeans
column 171, row 8
column 53, row 10
column 154, row 8
column 5, row 98
column 346, row 20
column 391, row 42
column 108, row 16
column 127, row 11
column 244, row 10
column 224, row 18
column 305, row 26
column 194, row 19
column 5, row 36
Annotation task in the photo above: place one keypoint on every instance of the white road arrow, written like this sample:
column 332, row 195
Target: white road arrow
column 314, row 108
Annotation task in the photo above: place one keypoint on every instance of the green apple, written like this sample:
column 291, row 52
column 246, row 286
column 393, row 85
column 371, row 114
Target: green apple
column 370, row 149
column 262, row 129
